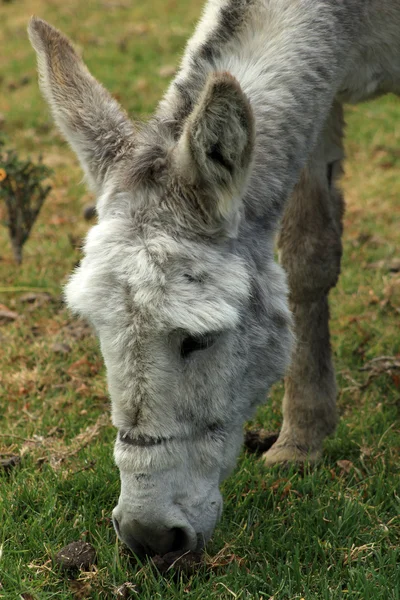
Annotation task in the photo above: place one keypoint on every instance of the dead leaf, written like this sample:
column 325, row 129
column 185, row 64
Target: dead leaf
column 366, row 451
column 59, row 220
column 125, row 590
column 167, row 71
column 142, row 84
column 286, row 489
column 140, row 28
column 224, row 557
column 61, row 348
column 387, row 165
column 358, row 553
column 134, row 31
column 82, row 590
column 382, row 364
column 277, row 484
column 78, row 330
column 81, row 387
column 396, row 381
column 7, row 315
column 40, row 567
column 36, row 297
column 345, row 465
column 27, row 596
column 60, row 452
column 392, row 265
column 57, row 452
column 373, row 241
column 83, row 367
column 56, row 430
column 375, row 367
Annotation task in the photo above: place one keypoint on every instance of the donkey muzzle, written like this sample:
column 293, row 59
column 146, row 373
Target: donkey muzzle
column 152, row 536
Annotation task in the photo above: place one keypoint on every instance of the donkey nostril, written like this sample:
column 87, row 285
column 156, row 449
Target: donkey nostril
column 179, row 539
column 116, row 526
column 149, row 538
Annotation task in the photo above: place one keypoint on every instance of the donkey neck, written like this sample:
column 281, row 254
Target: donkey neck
column 289, row 58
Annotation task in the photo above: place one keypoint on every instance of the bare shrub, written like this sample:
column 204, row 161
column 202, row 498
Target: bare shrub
column 23, row 191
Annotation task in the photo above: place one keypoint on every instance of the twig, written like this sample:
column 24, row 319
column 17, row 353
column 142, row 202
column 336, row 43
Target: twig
column 85, row 468
column 392, row 359
column 16, row 290
column 16, row 437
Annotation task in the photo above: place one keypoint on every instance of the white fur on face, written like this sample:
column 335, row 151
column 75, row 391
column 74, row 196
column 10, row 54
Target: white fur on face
column 186, row 490
column 144, row 296
column 177, row 285
column 139, row 296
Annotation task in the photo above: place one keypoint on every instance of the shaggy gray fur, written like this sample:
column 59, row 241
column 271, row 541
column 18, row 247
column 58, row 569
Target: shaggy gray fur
column 179, row 278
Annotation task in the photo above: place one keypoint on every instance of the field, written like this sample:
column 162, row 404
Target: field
column 328, row 533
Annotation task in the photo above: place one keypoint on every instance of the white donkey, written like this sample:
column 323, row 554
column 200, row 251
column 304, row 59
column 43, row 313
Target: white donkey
column 179, row 278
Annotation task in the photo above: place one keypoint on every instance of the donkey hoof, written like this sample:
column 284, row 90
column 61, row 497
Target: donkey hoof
column 290, row 454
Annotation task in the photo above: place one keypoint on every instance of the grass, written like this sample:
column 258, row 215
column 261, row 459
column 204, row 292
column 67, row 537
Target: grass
column 329, row 533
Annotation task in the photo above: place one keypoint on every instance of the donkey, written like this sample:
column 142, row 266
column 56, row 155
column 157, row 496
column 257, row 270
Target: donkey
column 194, row 316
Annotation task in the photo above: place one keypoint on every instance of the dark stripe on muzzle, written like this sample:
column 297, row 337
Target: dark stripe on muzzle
column 141, row 441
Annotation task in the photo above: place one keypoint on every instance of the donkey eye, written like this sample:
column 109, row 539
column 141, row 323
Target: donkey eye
column 192, row 343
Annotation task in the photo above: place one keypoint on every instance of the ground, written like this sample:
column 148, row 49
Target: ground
column 329, row 533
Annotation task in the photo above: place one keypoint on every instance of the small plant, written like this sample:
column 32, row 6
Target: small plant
column 22, row 189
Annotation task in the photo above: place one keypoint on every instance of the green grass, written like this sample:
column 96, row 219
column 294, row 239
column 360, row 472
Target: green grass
column 329, row 533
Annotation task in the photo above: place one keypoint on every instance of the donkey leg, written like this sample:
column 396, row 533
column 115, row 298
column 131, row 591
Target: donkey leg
column 310, row 251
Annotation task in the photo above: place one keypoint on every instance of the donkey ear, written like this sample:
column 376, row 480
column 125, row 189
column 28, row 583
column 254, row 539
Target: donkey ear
column 216, row 147
column 97, row 128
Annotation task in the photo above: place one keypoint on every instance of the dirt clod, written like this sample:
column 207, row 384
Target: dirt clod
column 77, row 555
column 188, row 563
column 259, row 441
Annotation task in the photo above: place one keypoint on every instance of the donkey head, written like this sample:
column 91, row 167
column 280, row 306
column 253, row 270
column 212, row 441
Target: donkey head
column 193, row 325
